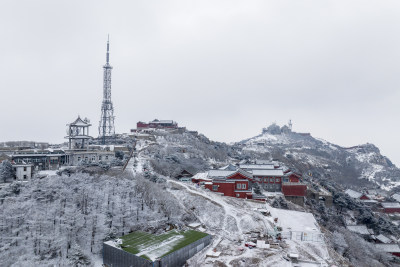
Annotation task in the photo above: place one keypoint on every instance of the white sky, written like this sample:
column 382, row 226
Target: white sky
column 224, row 68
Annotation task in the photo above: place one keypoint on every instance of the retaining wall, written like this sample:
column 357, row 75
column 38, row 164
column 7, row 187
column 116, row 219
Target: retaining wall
column 115, row 257
column 179, row 257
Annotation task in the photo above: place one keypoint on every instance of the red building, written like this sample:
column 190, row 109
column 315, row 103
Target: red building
column 294, row 189
column 365, row 197
column 270, row 180
column 294, row 192
column 292, row 177
column 238, row 183
column 230, row 183
column 390, row 207
column 201, row 177
column 267, row 174
column 157, row 124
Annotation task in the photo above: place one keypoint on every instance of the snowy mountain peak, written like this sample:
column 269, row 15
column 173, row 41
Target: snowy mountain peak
column 361, row 165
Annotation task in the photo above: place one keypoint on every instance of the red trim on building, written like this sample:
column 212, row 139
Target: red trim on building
column 294, row 178
column 365, row 197
column 391, row 210
column 236, row 185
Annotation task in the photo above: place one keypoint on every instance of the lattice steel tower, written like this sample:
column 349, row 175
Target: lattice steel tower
column 106, row 126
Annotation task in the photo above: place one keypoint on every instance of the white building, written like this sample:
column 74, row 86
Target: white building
column 75, row 158
column 23, row 172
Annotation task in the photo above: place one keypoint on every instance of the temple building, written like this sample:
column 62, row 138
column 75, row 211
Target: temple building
column 78, row 134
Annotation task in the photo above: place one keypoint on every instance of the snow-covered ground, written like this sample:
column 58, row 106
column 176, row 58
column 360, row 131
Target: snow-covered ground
column 233, row 222
column 47, row 173
column 369, row 173
column 291, row 220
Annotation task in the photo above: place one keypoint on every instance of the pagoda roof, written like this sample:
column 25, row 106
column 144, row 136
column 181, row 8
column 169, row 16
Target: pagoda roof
column 80, row 122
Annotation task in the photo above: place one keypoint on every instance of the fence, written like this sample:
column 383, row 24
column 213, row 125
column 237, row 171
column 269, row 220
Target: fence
column 300, row 236
column 179, row 257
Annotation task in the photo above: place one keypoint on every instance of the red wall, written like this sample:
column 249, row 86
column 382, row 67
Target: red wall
column 294, row 190
column 238, row 176
column 142, row 125
column 241, row 194
column 364, row 197
column 391, row 210
column 293, row 178
column 228, row 189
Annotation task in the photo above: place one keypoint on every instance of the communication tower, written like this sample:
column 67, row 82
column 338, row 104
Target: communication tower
column 106, row 125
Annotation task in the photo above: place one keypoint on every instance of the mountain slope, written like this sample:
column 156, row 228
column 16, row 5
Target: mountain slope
column 361, row 165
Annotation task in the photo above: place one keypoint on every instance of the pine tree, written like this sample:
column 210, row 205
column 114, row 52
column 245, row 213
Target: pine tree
column 256, row 188
column 77, row 258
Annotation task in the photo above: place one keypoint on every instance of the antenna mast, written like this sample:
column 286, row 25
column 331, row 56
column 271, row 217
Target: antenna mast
column 106, row 125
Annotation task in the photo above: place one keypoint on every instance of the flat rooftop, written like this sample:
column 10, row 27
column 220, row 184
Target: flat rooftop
column 389, row 205
column 151, row 246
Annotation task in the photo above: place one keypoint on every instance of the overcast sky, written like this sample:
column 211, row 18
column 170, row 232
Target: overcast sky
column 224, row 68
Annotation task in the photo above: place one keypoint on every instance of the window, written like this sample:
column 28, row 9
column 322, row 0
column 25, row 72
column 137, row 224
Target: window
column 99, row 157
column 271, row 180
column 237, row 195
column 286, row 180
column 215, row 187
column 79, row 158
column 243, row 186
column 25, row 177
column 93, row 158
column 278, row 180
column 266, row 180
column 239, row 186
column 106, row 157
column 24, row 170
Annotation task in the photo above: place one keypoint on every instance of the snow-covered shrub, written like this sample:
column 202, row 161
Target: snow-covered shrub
column 7, row 172
column 256, row 188
column 339, row 242
column 280, row 203
column 63, row 220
